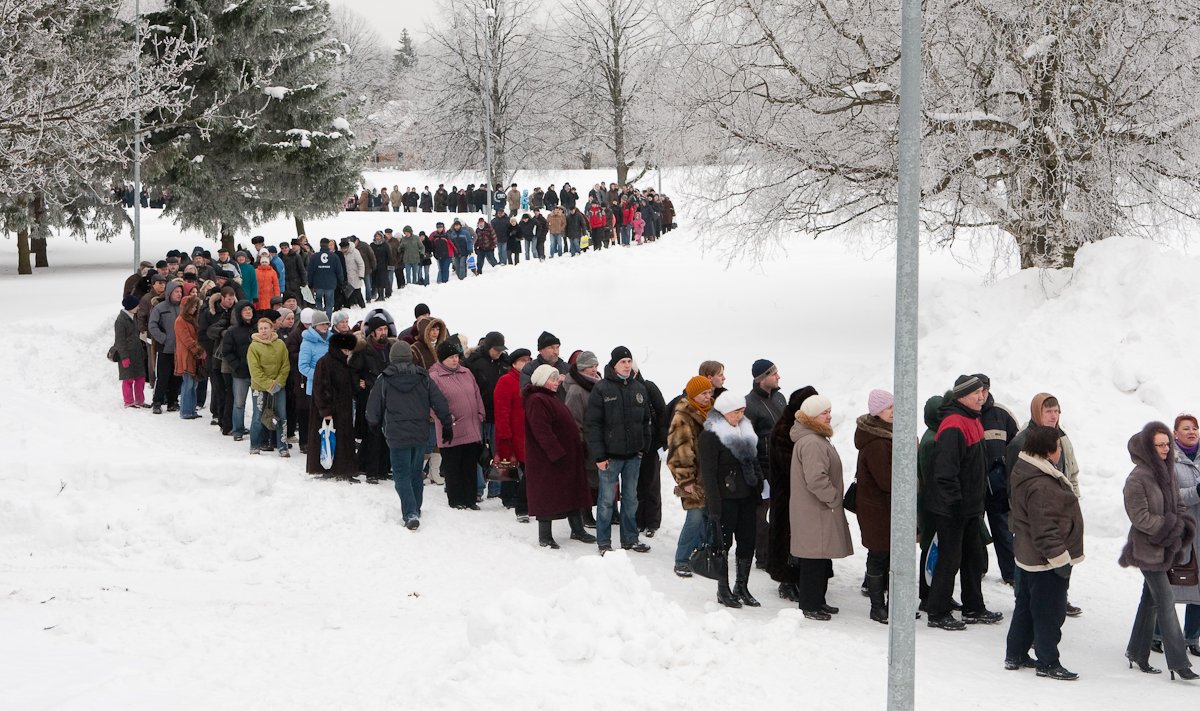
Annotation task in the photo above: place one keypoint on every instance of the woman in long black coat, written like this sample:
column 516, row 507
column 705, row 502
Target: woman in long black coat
column 333, row 398
column 369, row 360
column 556, row 484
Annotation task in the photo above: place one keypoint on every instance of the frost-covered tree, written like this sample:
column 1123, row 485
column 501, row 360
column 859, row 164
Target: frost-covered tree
column 405, row 56
column 481, row 73
column 363, row 74
column 66, row 85
column 610, row 52
column 297, row 155
column 1055, row 122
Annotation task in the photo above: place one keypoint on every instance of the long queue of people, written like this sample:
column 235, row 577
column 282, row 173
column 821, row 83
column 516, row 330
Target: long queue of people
column 756, row 473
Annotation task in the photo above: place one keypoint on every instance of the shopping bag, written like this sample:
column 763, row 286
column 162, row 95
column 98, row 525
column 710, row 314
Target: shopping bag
column 328, row 442
column 267, row 415
column 931, row 560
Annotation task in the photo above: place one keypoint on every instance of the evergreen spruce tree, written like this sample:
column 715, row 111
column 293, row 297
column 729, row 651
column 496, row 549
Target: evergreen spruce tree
column 405, row 57
column 279, row 147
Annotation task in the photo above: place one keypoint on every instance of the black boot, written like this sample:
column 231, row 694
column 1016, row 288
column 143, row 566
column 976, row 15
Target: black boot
column 724, row 595
column 578, row 532
column 739, row 587
column 877, row 591
column 589, row 521
column 546, row 540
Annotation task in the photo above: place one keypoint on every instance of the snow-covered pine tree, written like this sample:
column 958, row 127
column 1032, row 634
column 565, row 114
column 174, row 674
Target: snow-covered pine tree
column 297, row 155
column 405, row 56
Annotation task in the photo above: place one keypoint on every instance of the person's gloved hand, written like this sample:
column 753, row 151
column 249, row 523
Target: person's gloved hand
column 125, row 363
column 447, row 434
column 276, row 388
column 1064, row 572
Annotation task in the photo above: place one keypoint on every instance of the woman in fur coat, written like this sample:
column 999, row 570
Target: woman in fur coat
column 1160, row 537
column 732, row 480
column 333, row 400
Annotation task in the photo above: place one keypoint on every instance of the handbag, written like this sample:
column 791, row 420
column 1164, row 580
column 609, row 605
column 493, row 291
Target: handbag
column 850, row 500
column 1187, row 574
column 709, row 560
column 504, row 470
column 328, row 442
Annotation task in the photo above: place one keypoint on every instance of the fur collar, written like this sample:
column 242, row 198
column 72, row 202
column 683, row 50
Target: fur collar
column 875, row 426
column 819, row 427
column 741, row 441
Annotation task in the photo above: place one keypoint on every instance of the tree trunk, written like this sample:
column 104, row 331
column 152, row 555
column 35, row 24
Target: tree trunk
column 227, row 241
column 586, row 159
column 38, row 242
column 38, row 246
column 299, row 225
column 1041, row 251
column 23, row 266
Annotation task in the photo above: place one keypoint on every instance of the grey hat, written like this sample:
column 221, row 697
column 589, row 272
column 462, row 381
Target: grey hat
column 401, row 353
column 319, row 317
column 965, row 385
column 587, row 359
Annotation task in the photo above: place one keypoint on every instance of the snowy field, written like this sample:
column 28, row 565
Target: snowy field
column 148, row 563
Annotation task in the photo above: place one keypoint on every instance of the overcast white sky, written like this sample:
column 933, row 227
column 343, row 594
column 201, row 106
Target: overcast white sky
column 391, row 16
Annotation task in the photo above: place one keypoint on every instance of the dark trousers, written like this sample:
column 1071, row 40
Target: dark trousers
column 1037, row 619
column 458, row 469
column 649, row 492
column 1002, row 538
column 814, row 581
column 512, row 495
column 302, row 414
column 739, row 519
column 227, row 403
column 879, row 562
column 201, row 391
column 1157, row 605
column 292, row 406
column 959, row 548
column 219, row 394
column 762, row 538
column 166, row 382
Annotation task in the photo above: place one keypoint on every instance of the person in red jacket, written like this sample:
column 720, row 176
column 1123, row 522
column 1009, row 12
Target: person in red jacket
column 510, row 432
column 597, row 217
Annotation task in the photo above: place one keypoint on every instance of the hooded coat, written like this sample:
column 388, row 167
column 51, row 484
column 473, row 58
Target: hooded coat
column 162, row 319
column 424, row 352
column 332, row 387
column 556, row 483
column 400, row 403
column 189, row 355
column 236, row 342
column 1068, row 464
column 268, row 286
column 1162, row 531
column 819, row 528
column 313, row 347
column 267, row 361
column 873, row 439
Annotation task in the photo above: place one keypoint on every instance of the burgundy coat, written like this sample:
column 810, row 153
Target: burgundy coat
column 555, row 481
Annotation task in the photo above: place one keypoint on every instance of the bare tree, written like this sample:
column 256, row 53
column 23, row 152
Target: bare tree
column 1055, row 122
column 613, row 77
column 364, row 74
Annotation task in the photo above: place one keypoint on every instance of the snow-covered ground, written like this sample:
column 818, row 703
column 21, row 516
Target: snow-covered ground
column 148, row 563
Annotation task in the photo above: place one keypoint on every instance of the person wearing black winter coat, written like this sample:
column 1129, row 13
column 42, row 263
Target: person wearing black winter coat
column 550, row 199
column 368, row 362
column 649, row 513
column 400, row 403
column 426, row 200
column 540, row 229
column 999, row 428
column 333, row 399
column 214, row 319
column 234, row 346
column 955, row 502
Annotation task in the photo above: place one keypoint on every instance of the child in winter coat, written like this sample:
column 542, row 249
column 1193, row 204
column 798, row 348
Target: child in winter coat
column 639, row 225
column 268, row 282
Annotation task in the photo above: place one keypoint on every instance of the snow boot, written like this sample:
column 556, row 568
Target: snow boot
column 589, row 521
column 578, row 532
column 743, row 577
column 545, row 539
column 725, row 596
column 877, row 591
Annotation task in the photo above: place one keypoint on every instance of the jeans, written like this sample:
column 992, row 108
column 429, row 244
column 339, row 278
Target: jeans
column 133, row 391
column 324, row 299
column 556, row 245
column 260, row 436
column 443, row 270
column 424, row 274
column 484, row 255
column 1041, row 608
column 1002, row 539
column 626, row 472
column 187, row 396
column 460, row 267
column 575, row 245
column 502, row 252
column 1191, row 625
column 241, row 388
column 369, row 282
column 391, row 277
column 959, row 547
column 406, row 473
column 412, row 273
column 626, row 234
column 1157, row 604
column 529, row 249
column 693, row 534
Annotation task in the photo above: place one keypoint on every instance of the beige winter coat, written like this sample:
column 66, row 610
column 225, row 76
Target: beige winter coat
column 819, row 528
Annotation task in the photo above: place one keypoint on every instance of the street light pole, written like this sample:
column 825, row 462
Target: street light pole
column 485, row 91
column 902, row 646
column 137, row 139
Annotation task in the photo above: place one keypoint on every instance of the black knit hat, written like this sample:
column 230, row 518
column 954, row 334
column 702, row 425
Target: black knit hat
column 984, row 380
column 375, row 322
column 548, row 339
column 965, row 385
column 130, row 302
column 619, row 353
column 447, row 348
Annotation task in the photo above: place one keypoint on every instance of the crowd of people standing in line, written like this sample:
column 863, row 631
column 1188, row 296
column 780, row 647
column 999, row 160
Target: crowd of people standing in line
column 756, row 473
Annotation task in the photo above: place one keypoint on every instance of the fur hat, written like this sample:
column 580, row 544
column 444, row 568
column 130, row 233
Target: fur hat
column 762, row 368
column 401, row 353
column 319, row 317
column 448, row 347
column 586, row 359
column 965, row 385
column 130, row 302
column 697, row 385
column 619, row 353
column 728, row 401
column 342, row 342
column 306, row 316
column 542, row 374
column 815, row 405
column 547, row 339
column 878, row 401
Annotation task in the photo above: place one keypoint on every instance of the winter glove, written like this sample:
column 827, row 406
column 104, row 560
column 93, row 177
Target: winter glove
column 1064, row 572
column 276, row 388
column 447, row 434
column 125, row 363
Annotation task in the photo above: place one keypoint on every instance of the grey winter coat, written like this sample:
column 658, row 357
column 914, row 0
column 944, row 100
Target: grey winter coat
column 1187, row 476
column 162, row 320
column 400, row 402
column 1162, row 531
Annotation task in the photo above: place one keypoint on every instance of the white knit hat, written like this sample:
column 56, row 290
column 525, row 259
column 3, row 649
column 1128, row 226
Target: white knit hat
column 306, row 316
column 815, row 405
column 543, row 373
column 728, row 402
